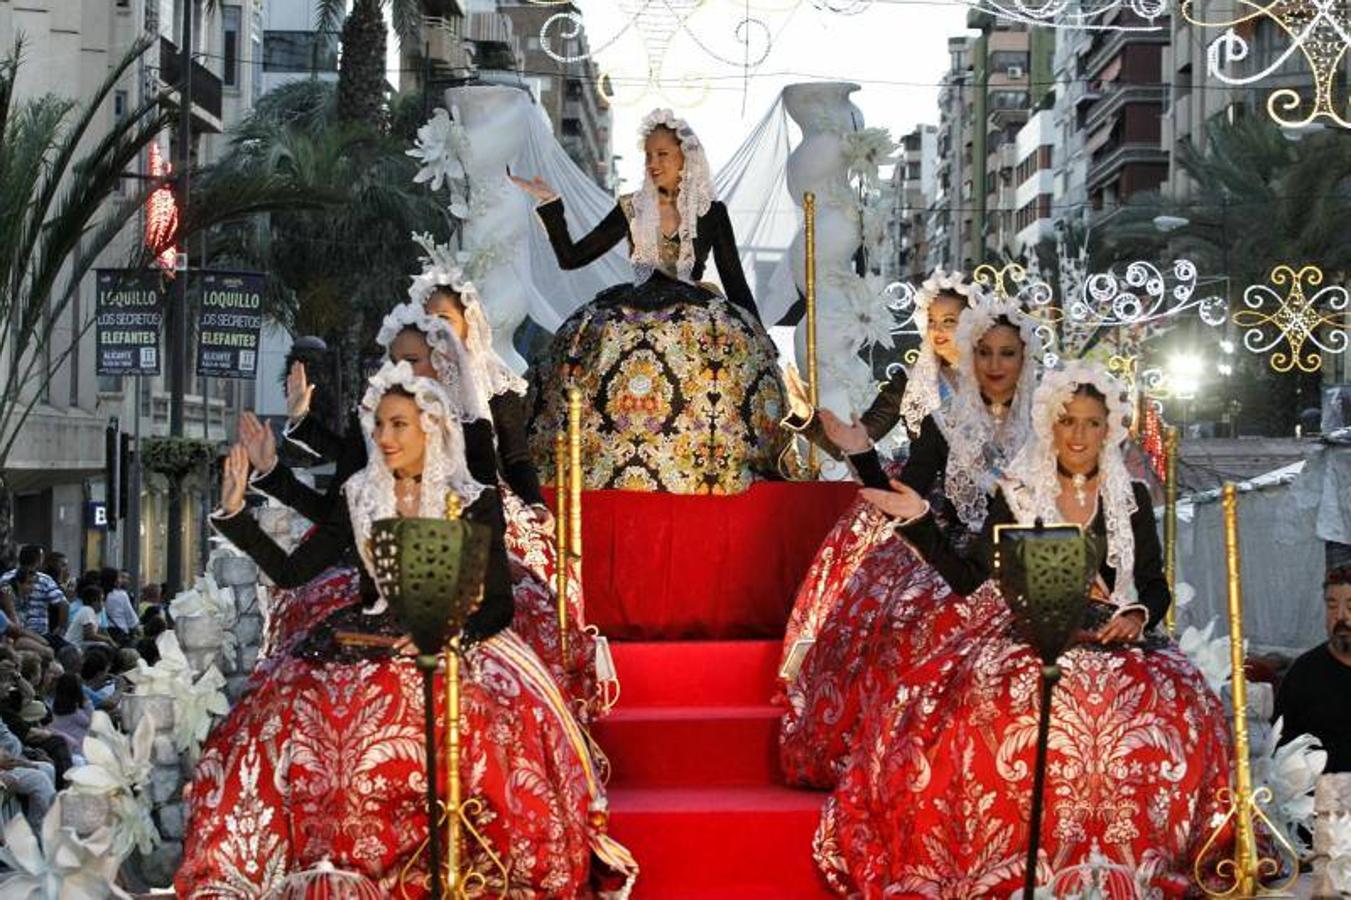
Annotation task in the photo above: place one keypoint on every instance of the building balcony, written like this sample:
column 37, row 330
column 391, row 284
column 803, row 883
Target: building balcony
column 443, row 44
column 1117, row 96
column 1109, row 160
column 495, row 43
column 206, row 87
column 1107, row 44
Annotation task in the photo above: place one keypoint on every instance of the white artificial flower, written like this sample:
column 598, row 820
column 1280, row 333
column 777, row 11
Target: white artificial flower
column 207, row 598
column 164, row 677
column 440, row 146
column 865, row 150
column 1184, row 595
column 863, row 317
column 1210, row 655
column 118, row 768
column 196, row 707
column 1290, row 771
column 1339, row 852
column 62, row 866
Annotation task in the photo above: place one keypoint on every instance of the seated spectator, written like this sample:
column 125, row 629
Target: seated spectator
column 84, row 625
column 71, row 714
column 99, row 685
column 57, row 567
column 34, row 782
column 21, row 638
column 123, row 623
column 1313, row 696
column 23, row 718
column 43, row 592
column 151, row 598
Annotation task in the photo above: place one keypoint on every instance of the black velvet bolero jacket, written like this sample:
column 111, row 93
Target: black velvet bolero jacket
column 713, row 234
column 332, row 540
column 964, row 572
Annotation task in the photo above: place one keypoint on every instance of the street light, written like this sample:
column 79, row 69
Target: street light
column 1166, row 224
column 1184, row 374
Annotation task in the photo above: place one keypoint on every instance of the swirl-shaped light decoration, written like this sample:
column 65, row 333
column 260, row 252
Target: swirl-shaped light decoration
column 1319, row 30
column 1298, row 327
column 1034, row 295
column 1084, row 15
column 1143, row 295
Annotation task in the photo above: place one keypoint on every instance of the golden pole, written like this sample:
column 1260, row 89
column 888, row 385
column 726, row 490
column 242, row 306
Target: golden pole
column 809, row 276
column 454, row 846
column 1246, row 852
column 1170, row 442
column 561, row 536
column 575, row 477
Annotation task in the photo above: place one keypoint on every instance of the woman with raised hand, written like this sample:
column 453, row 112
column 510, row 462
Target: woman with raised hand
column 895, row 608
column 320, row 767
column 426, row 333
column 935, row 796
column 680, row 382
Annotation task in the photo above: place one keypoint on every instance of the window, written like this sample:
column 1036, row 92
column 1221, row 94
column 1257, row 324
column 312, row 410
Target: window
column 231, row 16
column 1010, row 100
column 300, row 51
column 572, row 127
column 1003, row 60
column 574, row 89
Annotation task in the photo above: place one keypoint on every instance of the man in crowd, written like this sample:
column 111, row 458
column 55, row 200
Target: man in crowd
column 1313, row 698
column 37, row 613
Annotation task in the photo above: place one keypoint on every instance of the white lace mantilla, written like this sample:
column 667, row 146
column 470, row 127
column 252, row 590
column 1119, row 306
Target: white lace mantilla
column 370, row 492
column 441, row 268
column 981, row 445
column 694, row 200
column 455, row 369
column 1032, row 488
column 923, row 394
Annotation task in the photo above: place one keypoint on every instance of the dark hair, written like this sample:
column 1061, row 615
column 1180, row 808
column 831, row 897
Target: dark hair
column 68, row 695
column 30, row 555
column 448, row 292
column 148, row 649
column 108, row 580
column 23, row 575
column 950, row 294
column 1338, row 575
column 153, row 627
column 97, row 661
column 91, row 594
column 1091, row 391
column 53, row 565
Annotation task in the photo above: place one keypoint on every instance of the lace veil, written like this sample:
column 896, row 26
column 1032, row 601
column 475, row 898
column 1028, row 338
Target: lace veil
column 696, row 196
column 466, row 393
column 923, row 394
column 440, row 269
column 979, row 447
column 1030, row 483
column 370, row 492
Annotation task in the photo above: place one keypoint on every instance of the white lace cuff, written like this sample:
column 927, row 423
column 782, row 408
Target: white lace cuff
column 1130, row 608
column 220, row 515
column 288, row 433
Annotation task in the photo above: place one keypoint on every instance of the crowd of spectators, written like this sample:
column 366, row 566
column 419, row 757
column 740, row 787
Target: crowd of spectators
column 66, row 642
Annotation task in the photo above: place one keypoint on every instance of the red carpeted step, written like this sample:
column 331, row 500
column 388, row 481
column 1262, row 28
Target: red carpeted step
column 720, row 842
column 696, row 673
column 675, row 746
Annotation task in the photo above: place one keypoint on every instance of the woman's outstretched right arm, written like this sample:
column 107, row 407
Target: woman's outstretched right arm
column 573, row 254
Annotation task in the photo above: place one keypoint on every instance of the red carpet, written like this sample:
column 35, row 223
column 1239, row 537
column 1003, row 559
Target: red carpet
column 667, row 566
column 694, row 791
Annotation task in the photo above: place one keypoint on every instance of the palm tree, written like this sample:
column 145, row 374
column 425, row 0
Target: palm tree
column 56, row 218
column 1259, row 199
column 361, row 71
column 335, row 270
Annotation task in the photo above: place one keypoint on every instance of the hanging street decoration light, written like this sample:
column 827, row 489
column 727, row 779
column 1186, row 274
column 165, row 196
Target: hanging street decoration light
column 1298, row 326
column 1319, row 30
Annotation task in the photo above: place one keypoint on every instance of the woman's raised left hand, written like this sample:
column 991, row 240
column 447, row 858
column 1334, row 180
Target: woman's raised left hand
column 901, row 502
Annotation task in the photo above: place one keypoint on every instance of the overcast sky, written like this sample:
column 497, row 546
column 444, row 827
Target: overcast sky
column 897, row 52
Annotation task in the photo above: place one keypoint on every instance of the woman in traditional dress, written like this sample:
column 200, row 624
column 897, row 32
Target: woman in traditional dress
column 934, row 800
column 680, row 382
column 425, row 332
column 909, row 398
column 892, row 609
column 320, row 766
